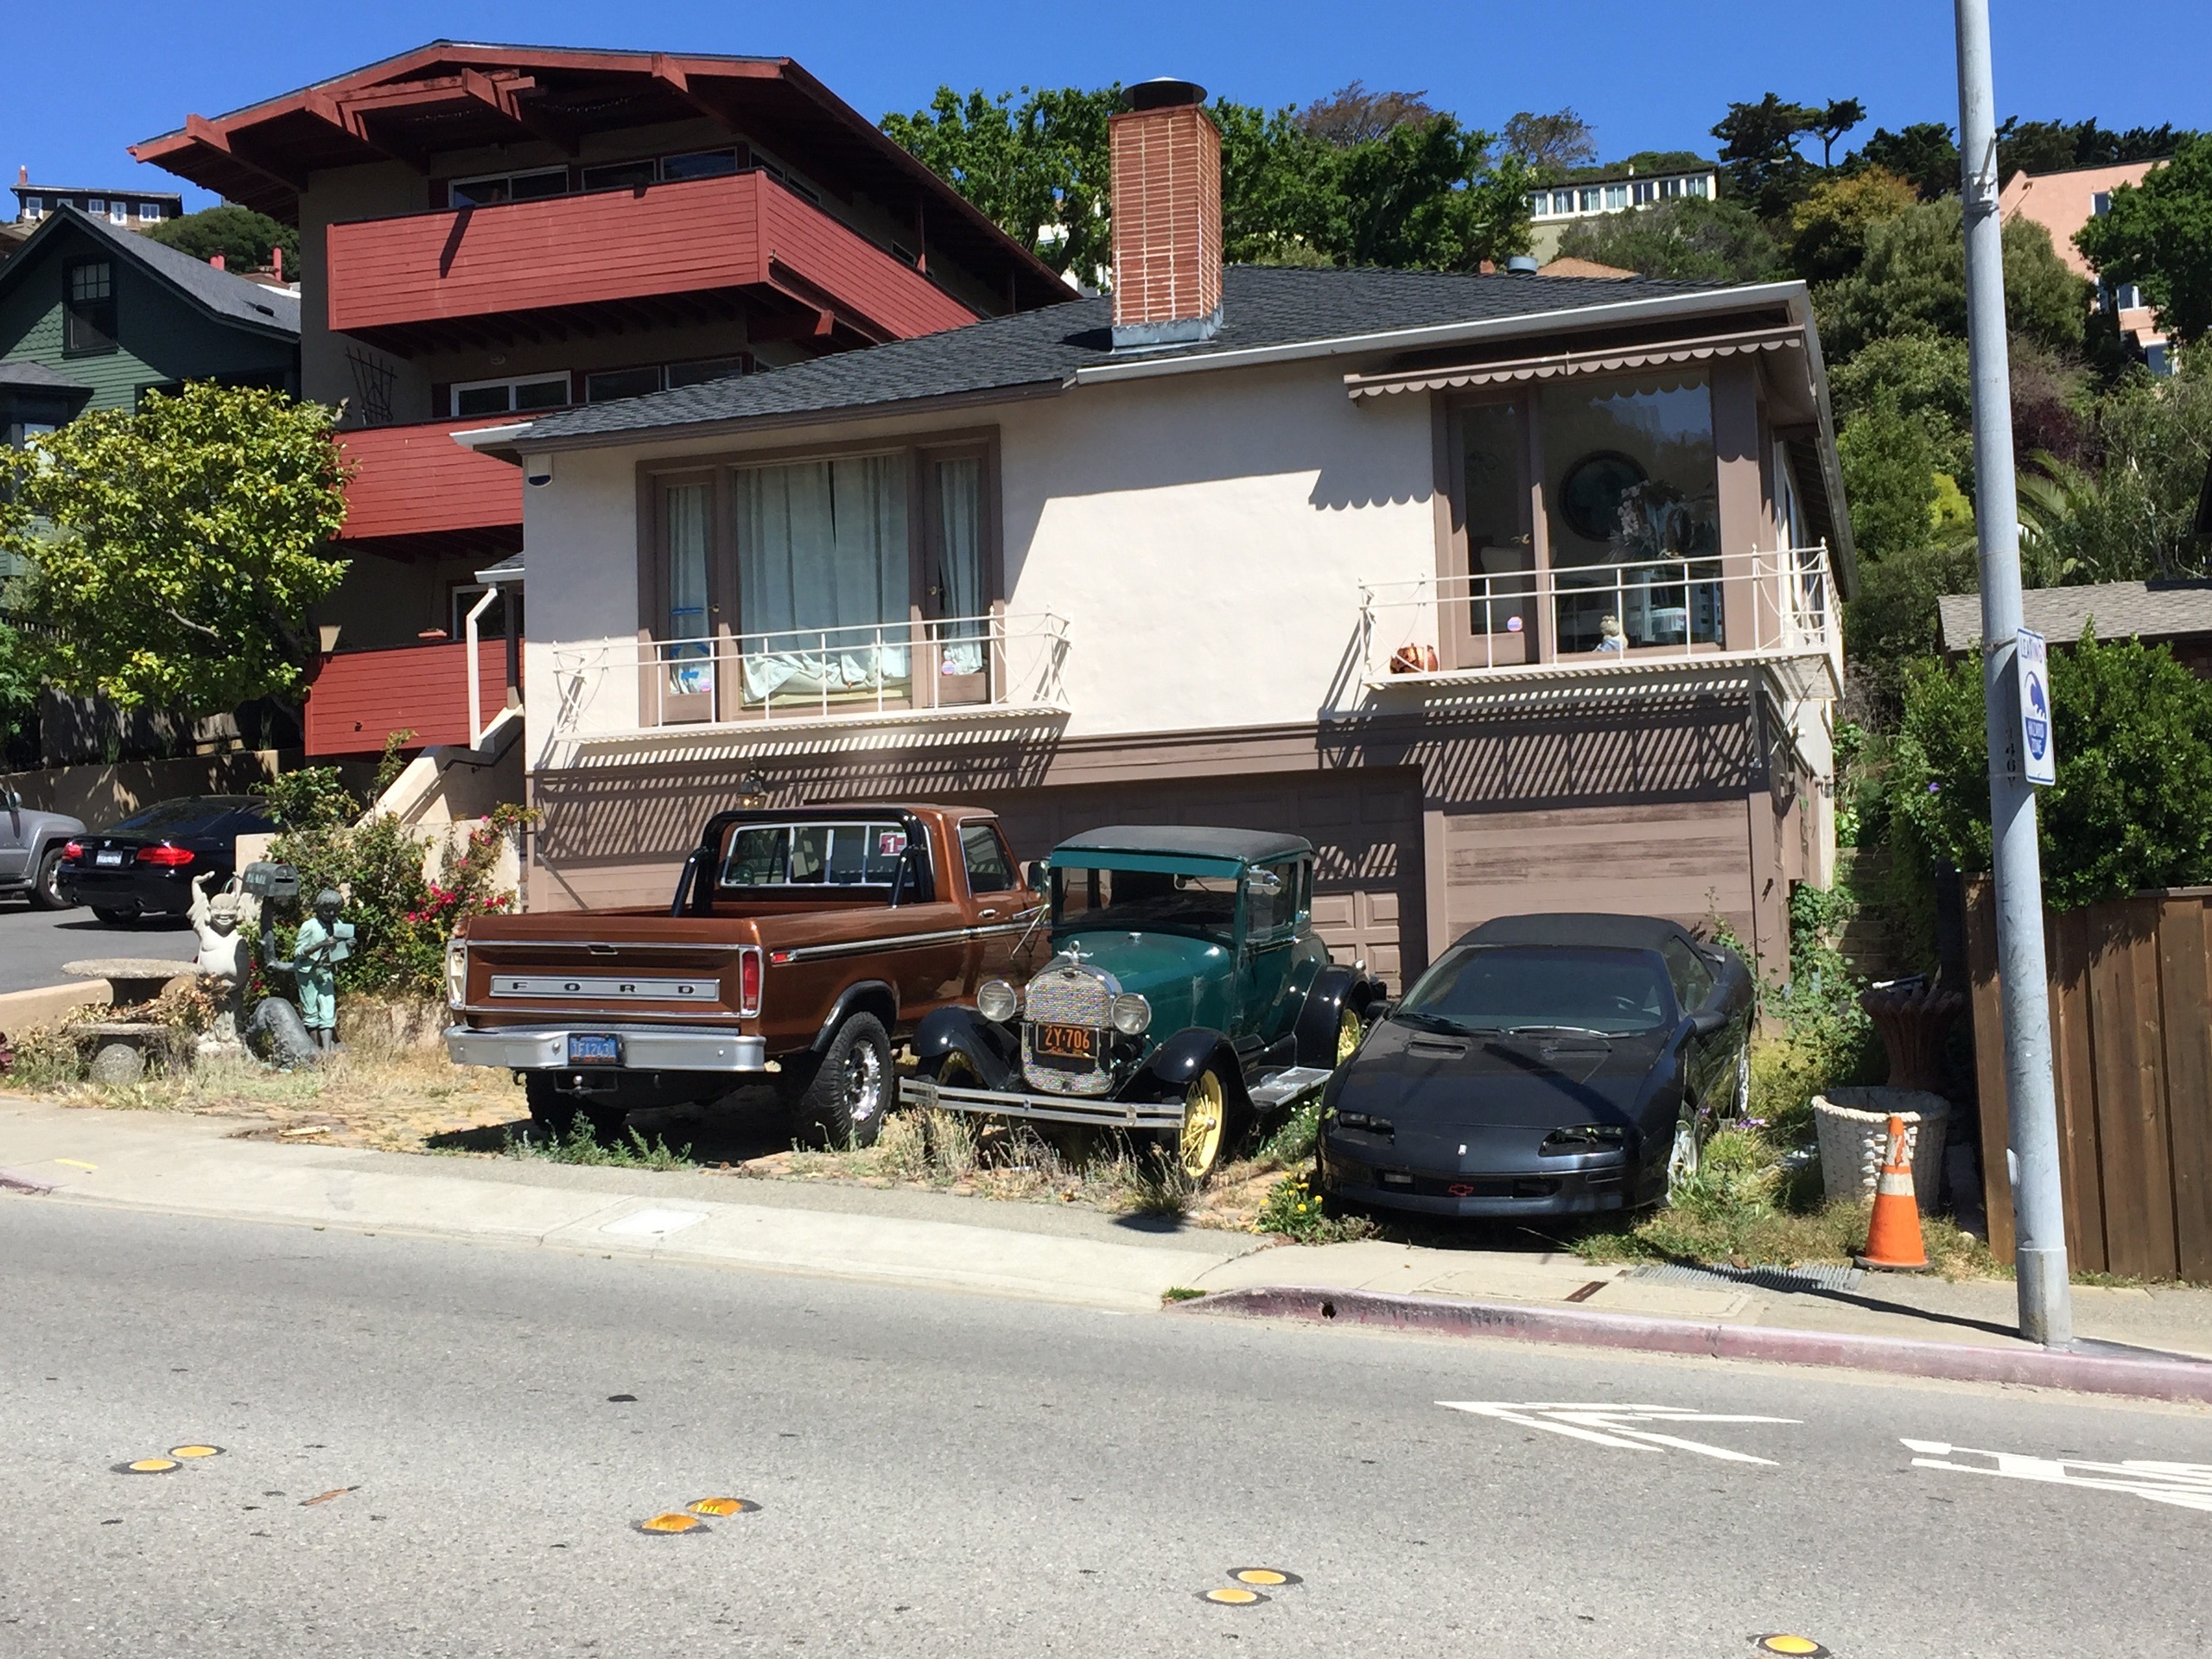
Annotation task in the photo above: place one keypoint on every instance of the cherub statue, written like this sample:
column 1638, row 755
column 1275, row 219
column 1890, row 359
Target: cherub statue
column 223, row 925
column 323, row 942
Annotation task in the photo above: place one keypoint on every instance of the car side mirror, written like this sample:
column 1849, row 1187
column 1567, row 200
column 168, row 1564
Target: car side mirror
column 1036, row 873
column 1265, row 883
column 1378, row 1012
column 1708, row 1022
column 12, row 800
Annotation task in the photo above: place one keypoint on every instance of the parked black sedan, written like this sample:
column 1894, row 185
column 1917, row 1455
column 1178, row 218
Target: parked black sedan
column 1553, row 1064
column 145, row 866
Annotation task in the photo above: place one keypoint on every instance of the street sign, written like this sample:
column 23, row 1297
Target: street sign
column 2038, row 750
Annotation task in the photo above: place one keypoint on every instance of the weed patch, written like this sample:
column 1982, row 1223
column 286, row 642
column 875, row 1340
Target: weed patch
column 1294, row 1209
column 629, row 1150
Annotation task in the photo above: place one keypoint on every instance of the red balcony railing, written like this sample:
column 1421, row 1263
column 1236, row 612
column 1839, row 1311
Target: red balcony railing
column 420, row 278
column 416, row 480
column 357, row 699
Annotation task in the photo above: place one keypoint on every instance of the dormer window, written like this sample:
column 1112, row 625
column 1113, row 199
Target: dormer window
column 88, row 308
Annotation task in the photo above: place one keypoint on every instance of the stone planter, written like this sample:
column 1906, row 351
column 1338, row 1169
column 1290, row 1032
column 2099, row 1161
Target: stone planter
column 1854, row 1127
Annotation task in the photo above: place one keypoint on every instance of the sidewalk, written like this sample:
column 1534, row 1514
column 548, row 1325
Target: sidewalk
column 181, row 1165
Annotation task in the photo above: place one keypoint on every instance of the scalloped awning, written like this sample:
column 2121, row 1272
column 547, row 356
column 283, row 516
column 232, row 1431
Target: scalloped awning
column 1559, row 365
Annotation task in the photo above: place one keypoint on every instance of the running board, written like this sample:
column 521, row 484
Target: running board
column 1280, row 1088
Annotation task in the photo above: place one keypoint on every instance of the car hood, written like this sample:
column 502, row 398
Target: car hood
column 1415, row 1076
column 1187, row 980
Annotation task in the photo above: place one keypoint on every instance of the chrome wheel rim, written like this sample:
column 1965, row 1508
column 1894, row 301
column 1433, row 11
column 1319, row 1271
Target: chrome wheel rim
column 1204, row 1112
column 1348, row 1034
column 863, row 1082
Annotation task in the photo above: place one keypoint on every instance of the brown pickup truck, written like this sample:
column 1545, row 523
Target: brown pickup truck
column 804, row 940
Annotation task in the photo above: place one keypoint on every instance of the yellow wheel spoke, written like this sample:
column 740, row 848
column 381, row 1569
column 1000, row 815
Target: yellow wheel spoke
column 1347, row 1034
column 1204, row 1115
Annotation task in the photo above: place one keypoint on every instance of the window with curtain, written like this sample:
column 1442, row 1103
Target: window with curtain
column 689, row 655
column 956, row 558
column 823, row 576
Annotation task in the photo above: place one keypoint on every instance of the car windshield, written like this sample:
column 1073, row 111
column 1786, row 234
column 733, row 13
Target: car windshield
column 190, row 816
column 1141, row 900
column 1509, row 987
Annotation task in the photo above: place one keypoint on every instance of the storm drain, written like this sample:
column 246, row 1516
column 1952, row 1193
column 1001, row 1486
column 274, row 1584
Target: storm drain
column 1718, row 1278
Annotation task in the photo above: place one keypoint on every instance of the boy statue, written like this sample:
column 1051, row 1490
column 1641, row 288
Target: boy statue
column 322, row 944
column 222, row 925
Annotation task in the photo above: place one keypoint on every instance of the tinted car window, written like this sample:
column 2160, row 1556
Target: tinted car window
column 185, row 816
column 1497, row 988
column 990, row 869
column 1693, row 979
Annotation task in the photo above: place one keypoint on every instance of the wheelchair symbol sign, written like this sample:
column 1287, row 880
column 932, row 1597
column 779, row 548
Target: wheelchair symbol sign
column 2038, row 753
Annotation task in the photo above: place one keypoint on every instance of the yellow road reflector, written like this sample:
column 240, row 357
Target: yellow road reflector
column 671, row 1523
column 1269, row 1576
column 195, row 1450
column 723, row 1506
column 1232, row 1595
column 1800, row 1647
column 148, row 1467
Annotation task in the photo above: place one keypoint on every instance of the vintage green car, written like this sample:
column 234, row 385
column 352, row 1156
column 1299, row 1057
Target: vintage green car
column 1187, row 990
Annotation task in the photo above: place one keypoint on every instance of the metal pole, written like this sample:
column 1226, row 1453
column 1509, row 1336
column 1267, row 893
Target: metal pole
column 2039, row 1205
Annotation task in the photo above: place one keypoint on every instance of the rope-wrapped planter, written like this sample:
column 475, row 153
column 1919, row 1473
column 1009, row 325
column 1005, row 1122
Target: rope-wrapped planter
column 1855, row 1127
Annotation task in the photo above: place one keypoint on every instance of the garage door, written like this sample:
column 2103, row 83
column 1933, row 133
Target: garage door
column 1365, row 827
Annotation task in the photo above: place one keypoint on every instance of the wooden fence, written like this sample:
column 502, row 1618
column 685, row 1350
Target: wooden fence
column 2130, row 1016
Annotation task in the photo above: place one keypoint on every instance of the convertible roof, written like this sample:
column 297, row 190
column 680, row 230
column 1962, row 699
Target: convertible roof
column 1576, row 927
column 1191, row 840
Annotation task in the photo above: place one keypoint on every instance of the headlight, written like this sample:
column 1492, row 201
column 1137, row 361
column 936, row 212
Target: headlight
column 456, row 971
column 1585, row 1138
column 997, row 1001
column 1132, row 1014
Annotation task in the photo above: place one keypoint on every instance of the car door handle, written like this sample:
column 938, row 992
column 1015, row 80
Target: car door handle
column 987, row 914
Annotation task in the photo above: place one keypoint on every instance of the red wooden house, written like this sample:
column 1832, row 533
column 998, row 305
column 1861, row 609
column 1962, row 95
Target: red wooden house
column 490, row 232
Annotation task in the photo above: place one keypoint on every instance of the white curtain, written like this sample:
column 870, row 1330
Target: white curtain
column 822, row 552
column 960, row 563
column 690, row 664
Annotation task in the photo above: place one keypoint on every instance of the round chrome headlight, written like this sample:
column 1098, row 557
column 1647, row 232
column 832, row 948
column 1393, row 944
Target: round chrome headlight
column 997, row 1001
column 1132, row 1014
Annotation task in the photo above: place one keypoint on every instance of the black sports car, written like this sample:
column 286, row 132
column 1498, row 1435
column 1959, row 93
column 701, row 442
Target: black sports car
column 146, row 865
column 1550, row 1064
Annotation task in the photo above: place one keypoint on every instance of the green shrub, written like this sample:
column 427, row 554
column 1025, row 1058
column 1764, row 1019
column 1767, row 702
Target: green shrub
column 1294, row 1209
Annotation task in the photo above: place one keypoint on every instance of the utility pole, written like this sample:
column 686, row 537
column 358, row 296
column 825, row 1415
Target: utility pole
column 2039, row 1205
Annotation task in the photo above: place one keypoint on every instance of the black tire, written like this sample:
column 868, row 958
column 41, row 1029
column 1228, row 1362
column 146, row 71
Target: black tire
column 839, row 1096
column 109, row 914
column 46, row 887
column 557, row 1113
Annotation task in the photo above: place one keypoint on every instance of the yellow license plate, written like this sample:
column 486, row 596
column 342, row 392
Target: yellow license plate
column 1066, row 1043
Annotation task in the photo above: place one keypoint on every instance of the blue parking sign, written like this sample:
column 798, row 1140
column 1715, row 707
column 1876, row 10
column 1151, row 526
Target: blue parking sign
column 2039, row 746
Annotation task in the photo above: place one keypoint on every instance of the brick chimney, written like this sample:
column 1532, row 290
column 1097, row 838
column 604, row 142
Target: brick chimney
column 1166, row 182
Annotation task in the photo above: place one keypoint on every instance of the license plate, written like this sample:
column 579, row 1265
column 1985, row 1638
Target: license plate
column 1064, row 1043
column 107, row 858
column 585, row 1049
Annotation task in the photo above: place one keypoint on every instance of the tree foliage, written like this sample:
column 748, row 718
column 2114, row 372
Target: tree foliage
column 2126, row 512
column 1889, row 477
column 1759, row 156
column 2158, row 235
column 1925, row 153
column 1359, row 178
column 1552, row 146
column 2055, row 146
column 243, row 237
column 2132, row 805
column 1829, row 227
column 176, row 551
column 1927, row 378
column 1687, row 238
column 1913, row 280
column 1894, row 621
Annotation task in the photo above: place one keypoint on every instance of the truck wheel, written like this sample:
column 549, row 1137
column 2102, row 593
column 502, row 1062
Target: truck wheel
column 556, row 1113
column 843, row 1100
column 46, row 890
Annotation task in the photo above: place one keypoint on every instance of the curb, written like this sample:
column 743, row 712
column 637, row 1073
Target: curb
column 43, row 1004
column 2151, row 1378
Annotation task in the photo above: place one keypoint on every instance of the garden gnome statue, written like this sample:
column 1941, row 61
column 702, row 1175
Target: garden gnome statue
column 322, row 944
column 223, row 923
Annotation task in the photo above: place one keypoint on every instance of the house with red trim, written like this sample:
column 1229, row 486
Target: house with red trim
column 493, row 233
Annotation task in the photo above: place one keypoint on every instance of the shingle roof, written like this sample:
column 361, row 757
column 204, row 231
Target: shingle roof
column 2149, row 610
column 1262, row 307
column 38, row 375
column 234, row 299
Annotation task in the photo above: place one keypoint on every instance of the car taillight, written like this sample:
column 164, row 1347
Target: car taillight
column 166, row 857
column 73, row 851
column 748, row 981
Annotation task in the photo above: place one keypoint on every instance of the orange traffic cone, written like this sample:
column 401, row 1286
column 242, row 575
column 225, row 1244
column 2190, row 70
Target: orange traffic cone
column 1893, row 1240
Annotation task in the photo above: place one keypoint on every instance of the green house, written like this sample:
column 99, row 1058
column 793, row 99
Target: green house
column 95, row 316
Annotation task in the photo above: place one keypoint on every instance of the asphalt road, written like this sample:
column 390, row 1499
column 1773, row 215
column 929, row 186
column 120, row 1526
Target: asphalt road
column 34, row 943
column 430, row 1449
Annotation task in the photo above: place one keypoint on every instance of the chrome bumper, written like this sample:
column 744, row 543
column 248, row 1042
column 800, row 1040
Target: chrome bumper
column 926, row 1095
column 645, row 1048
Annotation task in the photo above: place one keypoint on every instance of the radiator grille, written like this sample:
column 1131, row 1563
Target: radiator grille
column 1070, row 996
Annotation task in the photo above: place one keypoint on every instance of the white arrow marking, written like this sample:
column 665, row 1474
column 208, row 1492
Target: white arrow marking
column 1608, row 1425
column 2185, row 1486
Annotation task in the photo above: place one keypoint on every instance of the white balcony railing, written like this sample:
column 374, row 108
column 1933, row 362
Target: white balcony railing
column 1506, row 624
column 942, row 666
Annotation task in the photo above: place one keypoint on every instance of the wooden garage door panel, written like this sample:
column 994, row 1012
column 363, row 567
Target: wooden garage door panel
column 1365, row 829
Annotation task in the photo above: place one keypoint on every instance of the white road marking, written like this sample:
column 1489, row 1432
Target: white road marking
column 655, row 1224
column 1608, row 1425
column 2185, row 1486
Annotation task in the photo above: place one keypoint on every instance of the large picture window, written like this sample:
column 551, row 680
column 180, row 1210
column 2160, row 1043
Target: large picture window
column 823, row 567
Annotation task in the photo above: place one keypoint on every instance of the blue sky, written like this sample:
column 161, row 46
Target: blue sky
column 83, row 81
